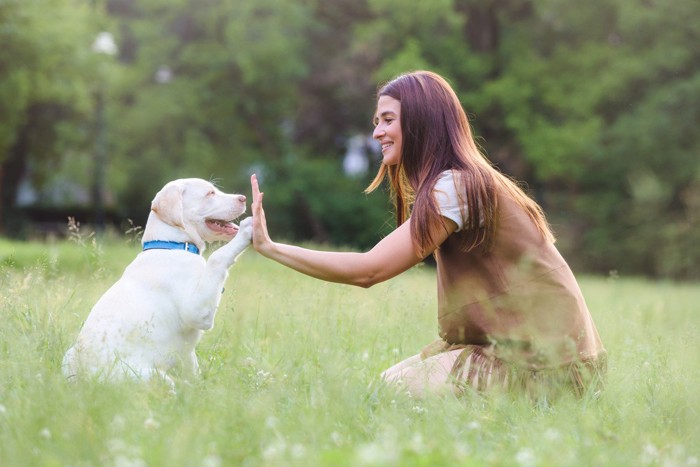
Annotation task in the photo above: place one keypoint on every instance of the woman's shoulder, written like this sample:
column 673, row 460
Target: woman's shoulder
column 447, row 180
column 448, row 174
column 450, row 199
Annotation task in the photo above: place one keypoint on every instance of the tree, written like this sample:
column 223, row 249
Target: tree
column 592, row 104
column 44, row 93
column 234, row 73
column 600, row 97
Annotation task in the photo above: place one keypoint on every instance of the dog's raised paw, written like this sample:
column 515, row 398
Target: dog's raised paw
column 245, row 228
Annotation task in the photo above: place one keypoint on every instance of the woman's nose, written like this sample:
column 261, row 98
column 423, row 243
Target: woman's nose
column 378, row 133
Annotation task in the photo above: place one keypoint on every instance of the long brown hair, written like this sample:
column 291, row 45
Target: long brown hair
column 437, row 137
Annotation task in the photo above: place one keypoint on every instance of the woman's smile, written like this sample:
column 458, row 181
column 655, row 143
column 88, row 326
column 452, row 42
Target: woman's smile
column 387, row 130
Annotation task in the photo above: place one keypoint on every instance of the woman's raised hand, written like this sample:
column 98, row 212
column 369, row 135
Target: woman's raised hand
column 261, row 239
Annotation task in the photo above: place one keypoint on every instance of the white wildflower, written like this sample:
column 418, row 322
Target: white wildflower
column 271, row 422
column 525, row 457
column 3, row 410
column 650, row 454
column 124, row 454
column 384, row 452
column 274, row 450
column 212, row 460
column 418, row 409
column 298, row 451
column 375, row 454
column 151, row 424
column 262, row 378
column 473, row 425
column 417, row 444
column 45, row 433
column 124, row 461
column 337, row 438
column 552, row 435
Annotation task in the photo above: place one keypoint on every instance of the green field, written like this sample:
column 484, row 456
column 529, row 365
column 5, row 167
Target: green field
column 289, row 377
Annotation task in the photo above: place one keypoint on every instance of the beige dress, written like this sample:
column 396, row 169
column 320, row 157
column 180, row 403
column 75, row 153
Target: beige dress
column 516, row 308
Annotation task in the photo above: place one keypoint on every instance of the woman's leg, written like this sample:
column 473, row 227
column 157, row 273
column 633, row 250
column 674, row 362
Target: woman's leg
column 421, row 377
column 393, row 373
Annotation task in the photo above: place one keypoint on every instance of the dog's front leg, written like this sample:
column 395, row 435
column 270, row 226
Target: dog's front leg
column 226, row 256
column 206, row 296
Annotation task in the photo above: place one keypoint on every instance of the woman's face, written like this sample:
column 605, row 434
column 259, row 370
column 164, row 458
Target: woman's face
column 387, row 129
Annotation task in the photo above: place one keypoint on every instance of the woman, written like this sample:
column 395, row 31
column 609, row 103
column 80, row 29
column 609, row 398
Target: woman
column 510, row 312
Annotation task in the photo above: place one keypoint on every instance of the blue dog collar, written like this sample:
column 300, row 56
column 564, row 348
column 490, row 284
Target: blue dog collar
column 163, row 245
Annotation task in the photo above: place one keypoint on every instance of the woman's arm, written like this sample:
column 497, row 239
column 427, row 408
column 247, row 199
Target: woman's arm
column 391, row 256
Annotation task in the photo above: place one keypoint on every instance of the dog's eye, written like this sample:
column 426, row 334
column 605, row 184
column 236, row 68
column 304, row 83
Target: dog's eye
column 211, row 193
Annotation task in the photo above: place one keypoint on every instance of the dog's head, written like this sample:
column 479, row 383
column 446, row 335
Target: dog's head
column 198, row 208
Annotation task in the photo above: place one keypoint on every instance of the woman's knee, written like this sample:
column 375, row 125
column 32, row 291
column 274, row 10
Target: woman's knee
column 394, row 371
column 423, row 377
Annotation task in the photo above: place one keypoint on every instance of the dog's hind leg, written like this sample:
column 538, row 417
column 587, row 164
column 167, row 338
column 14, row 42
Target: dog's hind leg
column 190, row 366
column 154, row 374
column 69, row 365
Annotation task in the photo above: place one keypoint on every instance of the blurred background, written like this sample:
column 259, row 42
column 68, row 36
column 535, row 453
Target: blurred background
column 594, row 105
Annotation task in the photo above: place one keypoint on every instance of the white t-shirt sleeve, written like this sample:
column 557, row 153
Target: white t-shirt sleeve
column 448, row 200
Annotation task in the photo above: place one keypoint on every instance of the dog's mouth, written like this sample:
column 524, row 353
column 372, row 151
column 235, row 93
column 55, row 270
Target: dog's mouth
column 222, row 227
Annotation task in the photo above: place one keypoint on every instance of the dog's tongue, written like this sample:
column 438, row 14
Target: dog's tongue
column 222, row 227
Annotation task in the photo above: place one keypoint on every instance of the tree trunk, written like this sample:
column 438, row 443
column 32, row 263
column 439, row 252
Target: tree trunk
column 482, row 28
column 11, row 172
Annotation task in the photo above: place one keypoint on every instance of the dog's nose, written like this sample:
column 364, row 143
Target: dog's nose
column 241, row 198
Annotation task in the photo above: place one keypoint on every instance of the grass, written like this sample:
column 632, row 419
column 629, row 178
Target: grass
column 289, row 377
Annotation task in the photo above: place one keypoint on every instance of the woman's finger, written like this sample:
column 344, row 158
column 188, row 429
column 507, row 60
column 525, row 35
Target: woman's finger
column 260, row 235
column 255, row 187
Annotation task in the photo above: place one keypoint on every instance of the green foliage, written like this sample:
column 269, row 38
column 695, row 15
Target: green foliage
column 313, row 201
column 235, row 70
column 45, row 59
column 290, row 372
column 601, row 101
column 593, row 104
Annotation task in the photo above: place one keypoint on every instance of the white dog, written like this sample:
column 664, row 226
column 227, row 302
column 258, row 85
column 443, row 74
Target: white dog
column 150, row 321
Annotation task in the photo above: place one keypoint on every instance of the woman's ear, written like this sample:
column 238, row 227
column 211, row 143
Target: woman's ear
column 167, row 205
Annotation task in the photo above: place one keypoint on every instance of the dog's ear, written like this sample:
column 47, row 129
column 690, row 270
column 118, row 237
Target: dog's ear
column 168, row 205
